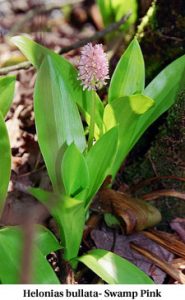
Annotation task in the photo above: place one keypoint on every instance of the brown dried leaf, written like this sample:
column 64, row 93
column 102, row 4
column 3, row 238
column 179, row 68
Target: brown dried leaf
column 178, row 263
column 134, row 214
column 169, row 241
column 161, row 263
column 120, row 244
column 164, row 193
column 178, row 225
column 14, row 130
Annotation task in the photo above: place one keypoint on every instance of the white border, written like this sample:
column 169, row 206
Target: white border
column 101, row 292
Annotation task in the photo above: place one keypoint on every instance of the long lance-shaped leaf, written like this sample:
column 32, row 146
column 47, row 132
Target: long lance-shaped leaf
column 69, row 214
column 7, row 86
column 11, row 245
column 129, row 75
column 164, row 89
column 45, row 240
column 73, row 90
column 74, row 172
column 99, row 161
column 125, row 113
column 57, row 118
column 114, row 10
column 5, row 161
column 114, row 269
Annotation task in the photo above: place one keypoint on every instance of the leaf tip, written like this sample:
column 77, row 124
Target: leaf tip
column 140, row 104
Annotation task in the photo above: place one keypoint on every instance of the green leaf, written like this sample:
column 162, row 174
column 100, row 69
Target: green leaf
column 11, row 245
column 75, row 173
column 125, row 112
column 99, row 160
column 106, row 11
column 113, row 269
column 69, row 213
column 73, row 90
column 164, row 89
column 129, row 75
column 5, row 161
column 45, row 240
column 7, row 86
column 41, row 195
column 42, row 270
column 111, row 221
column 114, row 10
column 57, row 118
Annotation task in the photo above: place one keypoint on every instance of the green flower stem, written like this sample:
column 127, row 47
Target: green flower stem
column 92, row 123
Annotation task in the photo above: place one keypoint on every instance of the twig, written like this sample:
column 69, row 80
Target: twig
column 163, row 193
column 98, row 35
column 112, row 27
column 149, row 181
column 167, row 37
column 167, row 241
column 21, row 66
column 152, row 164
column 162, row 264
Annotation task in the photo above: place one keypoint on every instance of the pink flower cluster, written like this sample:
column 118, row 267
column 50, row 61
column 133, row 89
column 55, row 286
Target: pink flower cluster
column 93, row 67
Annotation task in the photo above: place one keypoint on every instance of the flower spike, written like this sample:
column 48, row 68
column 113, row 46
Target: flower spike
column 93, row 67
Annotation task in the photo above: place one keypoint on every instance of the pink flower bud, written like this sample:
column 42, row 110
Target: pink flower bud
column 93, row 67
